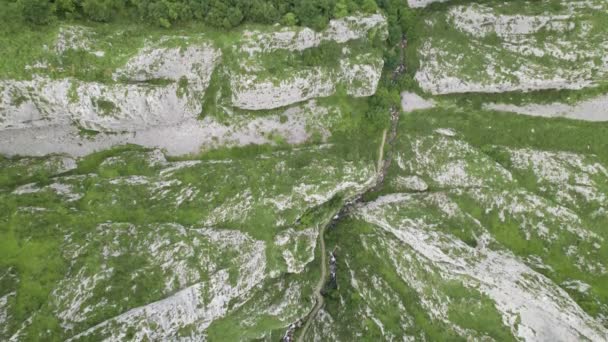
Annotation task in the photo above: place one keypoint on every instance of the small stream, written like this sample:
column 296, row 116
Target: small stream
column 300, row 327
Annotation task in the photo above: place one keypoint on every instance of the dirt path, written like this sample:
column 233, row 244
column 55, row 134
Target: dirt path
column 382, row 168
column 318, row 296
column 381, row 152
column 384, row 161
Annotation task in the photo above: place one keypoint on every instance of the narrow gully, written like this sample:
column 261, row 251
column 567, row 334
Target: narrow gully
column 384, row 163
column 300, row 327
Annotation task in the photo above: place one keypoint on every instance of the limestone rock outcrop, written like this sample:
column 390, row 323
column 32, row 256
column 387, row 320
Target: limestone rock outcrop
column 129, row 105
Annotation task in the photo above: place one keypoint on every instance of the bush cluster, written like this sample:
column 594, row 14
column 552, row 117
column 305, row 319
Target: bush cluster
column 223, row 14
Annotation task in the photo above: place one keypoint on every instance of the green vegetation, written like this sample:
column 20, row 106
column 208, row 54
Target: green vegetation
column 475, row 101
column 492, row 136
column 484, row 129
column 572, row 51
column 371, row 286
column 18, row 170
column 119, row 186
column 215, row 13
column 127, row 227
column 105, row 107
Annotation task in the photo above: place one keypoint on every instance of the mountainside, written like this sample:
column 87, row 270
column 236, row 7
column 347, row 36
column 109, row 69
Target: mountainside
column 389, row 170
column 156, row 89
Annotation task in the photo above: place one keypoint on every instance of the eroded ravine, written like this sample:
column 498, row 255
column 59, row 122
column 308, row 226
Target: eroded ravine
column 300, row 328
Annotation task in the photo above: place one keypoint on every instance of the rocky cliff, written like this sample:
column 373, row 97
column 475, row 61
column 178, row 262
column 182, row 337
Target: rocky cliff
column 161, row 89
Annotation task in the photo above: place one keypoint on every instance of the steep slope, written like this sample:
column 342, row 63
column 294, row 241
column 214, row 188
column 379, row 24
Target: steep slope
column 261, row 183
column 500, row 243
column 197, row 89
column 509, row 46
column 146, row 248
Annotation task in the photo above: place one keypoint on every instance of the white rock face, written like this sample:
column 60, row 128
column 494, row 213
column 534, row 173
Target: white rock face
column 95, row 106
column 51, row 165
column 412, row 101
column 594, row 109
column 198, row 304
column 447, row 162
column 411, row 183
column 63, row 190
column 4, row 314
column 503, row 51
column 339, row 30
column 534, row 307
column 448, row 132
column 422, row 3
column 113, row 107
column 295, row 125
column 574, row 179
column 248, row 92
column 360, row 74
column 155, row 99
column 195, row 63
column 481, row 21
column 299, row 247
column 75, row 38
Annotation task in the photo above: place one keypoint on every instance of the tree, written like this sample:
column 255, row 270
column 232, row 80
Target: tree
column 101, row 10
column 38, row 12
column 289, row 19
column 235, row 17
column 217, row 13
column 380, row 106
column 262, row 12
column 65, row 7
column 341, row 9
column 369, row 6
column 314, row 13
